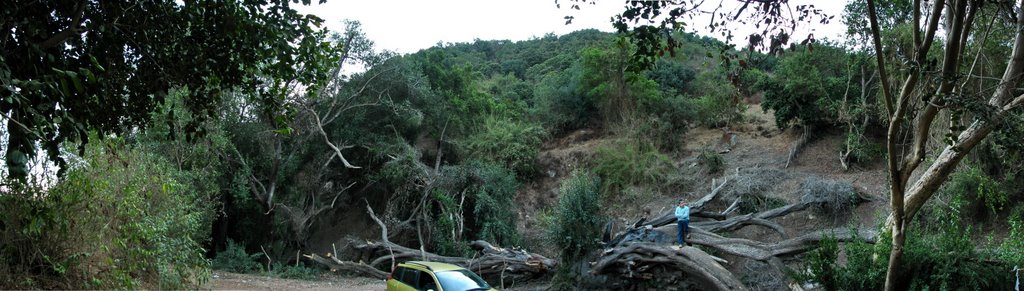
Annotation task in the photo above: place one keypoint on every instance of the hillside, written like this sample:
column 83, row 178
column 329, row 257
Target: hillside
column 179, row 146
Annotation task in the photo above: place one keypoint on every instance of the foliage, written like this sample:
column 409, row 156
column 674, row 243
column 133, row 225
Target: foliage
column 711, row 160
column 672, row 77
column 103, row 66
column 945, row 261
column 714, row 99
column 235, row 259
column 495, row 217
column 559, row 101
column 629, row 163
column 806, row 86
column 937, row 256
column 514, row 144
column 577, row 223
column 121, row 218
column 1011, row 250
column 473, row 202
column 985, row 195
column 289, row 271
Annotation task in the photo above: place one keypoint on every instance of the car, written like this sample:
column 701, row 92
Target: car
column 434, row 276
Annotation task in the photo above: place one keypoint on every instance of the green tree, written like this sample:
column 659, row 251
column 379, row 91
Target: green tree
column 806, row 86
column 74, row 66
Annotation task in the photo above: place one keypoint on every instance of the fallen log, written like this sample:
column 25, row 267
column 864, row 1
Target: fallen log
column 494, row 263
column 637, row 260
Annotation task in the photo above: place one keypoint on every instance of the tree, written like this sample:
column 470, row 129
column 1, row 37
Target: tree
column 944, row 94
column 68, row 67
column 930, row 87
column 653, row 33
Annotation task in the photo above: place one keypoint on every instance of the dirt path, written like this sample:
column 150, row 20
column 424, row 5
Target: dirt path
column 232, row 281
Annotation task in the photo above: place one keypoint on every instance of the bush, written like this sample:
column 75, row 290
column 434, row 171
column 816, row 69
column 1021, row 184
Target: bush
column 714, row 100
column 559, row 103
column 983, row 192
column 712, row 161
column 629, row 163
column 299, row 271
column 805, row 86
column 234, row 259
column 938, row 256
column 514, row 144
column 667, row 119
column 495, row 218
column 121, row 218
column 576, row 228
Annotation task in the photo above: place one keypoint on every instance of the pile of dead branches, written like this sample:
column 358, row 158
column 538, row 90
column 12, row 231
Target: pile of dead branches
column 495, row 264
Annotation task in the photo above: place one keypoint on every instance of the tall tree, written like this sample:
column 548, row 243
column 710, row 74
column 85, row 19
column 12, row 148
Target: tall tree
column 908, row 195
column 71, row 66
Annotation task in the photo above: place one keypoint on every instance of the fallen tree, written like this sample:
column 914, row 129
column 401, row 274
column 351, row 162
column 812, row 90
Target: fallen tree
column 635, row 260
column 494, row 263
column 645, row 250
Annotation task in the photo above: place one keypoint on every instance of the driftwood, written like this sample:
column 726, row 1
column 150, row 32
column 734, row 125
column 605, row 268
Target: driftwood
column 494, row 263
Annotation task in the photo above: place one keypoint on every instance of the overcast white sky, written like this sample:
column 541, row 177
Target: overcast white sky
column 406, row 26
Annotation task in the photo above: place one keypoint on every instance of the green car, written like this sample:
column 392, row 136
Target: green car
column 426, row 276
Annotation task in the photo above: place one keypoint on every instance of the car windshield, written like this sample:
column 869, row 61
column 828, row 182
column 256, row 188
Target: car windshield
column 460, row 280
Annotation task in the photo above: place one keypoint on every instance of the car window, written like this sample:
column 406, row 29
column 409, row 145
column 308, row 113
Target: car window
column 408, row 276
column 460, row 280
column 426, row 282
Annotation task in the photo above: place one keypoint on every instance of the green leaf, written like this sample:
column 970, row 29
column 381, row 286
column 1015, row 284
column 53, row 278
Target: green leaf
column 96, row 64
column 78, row 84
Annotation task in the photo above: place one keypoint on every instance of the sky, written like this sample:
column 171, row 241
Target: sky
column 407, row 26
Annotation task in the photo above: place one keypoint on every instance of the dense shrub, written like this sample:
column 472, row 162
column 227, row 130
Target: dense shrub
column 937, row 256
column 121, row 218
column 667, row 119
column 559, row 103
column 806, row 86
column 472, row 202
column 576, row 228
column 628, row 163
column 235, row 259
column 714, row 99
column 711, row 160
column 984, row 194
column 512, row 143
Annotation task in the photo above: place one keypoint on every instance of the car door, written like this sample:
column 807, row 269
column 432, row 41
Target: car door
column 426, row 282
column 404, row 279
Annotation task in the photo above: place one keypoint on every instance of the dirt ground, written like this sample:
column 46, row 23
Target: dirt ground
column 231, row 281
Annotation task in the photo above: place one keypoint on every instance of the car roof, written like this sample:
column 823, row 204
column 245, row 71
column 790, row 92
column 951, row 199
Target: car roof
column 434, row 266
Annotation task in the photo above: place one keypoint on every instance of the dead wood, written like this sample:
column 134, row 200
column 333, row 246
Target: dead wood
column 492, row 262
column 637, row 260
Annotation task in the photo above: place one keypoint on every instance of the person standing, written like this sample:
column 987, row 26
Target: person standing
column 683, row 221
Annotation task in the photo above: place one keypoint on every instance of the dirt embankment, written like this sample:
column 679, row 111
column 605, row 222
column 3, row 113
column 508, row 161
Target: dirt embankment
column 754, row 143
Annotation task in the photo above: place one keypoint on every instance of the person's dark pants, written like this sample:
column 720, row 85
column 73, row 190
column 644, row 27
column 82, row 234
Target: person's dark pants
column 684, row 229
